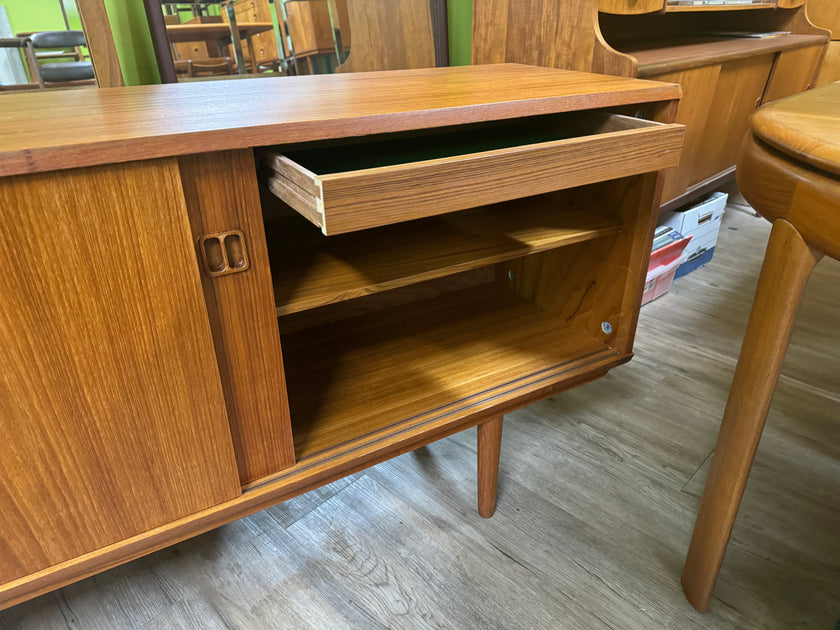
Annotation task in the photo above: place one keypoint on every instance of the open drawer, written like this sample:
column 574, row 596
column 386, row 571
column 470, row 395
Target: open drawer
column 386, row 179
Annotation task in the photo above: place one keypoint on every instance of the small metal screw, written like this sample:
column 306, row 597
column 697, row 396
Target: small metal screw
column 511, row 276
column 606, row 327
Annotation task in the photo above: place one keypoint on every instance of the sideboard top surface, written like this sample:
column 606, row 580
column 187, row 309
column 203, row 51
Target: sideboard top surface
column 52, row 130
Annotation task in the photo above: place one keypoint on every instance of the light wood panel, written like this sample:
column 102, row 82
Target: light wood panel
column 309, row 26
column 176, row 117
column 830, row 68
column 553, row 33
column 390, row 35
column 372, row 197
column 566, row 282
column 789, row 4
column 692, row 52
column 738, row 92
column 794, row 71
column 698, row 85
column 307, row 475
column 630, row 7
column 100, row 43
column 805, row 127
column 310, row 272
column 713, row 8
column 95, row 450
column 221, row 195
column 825, row 13
column 455, row 354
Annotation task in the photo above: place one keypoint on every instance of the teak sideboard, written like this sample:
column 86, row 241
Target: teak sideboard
column 220, row 295
column 728, row 58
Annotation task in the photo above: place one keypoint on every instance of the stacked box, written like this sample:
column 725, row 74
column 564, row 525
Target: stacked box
column 701, row 222
column 667, row 255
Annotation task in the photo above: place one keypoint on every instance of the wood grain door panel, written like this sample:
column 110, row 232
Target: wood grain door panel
column 793, row 72
column 740, row 88
column 112, row 419
column 698, row 86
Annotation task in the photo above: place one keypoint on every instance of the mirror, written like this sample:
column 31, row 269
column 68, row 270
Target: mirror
column 212, row 39
column 56, row 44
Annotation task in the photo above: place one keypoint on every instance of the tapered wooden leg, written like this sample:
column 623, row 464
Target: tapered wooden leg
column 489, row 449
column 787, row 265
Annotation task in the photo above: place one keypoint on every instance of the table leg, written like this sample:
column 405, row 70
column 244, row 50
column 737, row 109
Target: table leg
column 489, row 449
column 252, row 51
column 787, row 265
column 235, row 39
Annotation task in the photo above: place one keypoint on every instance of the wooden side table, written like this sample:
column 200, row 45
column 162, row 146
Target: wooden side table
column 789, row 170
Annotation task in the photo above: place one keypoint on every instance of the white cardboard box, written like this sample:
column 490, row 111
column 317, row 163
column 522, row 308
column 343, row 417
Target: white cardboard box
column 701, row 221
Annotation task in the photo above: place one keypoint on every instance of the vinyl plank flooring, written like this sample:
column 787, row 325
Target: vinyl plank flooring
column 598, row 493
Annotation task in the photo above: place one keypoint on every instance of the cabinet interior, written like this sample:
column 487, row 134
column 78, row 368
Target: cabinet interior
column 437, row 317
column 391, row 149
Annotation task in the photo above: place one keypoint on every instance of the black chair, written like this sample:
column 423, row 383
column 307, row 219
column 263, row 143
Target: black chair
column 60, row 72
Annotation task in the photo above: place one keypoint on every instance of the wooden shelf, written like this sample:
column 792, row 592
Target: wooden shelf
column 670, row 56
column 446, row 357
column 681, row 8
column 310, row 270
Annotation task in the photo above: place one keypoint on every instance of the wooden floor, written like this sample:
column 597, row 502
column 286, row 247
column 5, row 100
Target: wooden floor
column 598, row 493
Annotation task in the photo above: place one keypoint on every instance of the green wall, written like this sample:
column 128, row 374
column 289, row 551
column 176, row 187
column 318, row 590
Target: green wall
column 128, row 24
column 40, row 15
column 134, row 43
column 460, row 31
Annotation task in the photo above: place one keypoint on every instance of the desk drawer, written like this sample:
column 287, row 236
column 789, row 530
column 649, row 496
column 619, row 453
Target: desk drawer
column 382, row 180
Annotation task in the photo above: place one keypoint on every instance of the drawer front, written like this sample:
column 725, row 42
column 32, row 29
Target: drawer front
column 357, row 200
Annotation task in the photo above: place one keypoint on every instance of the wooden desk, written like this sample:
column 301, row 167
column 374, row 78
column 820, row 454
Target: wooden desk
column 724, row 78
column 181, row 348
column 788, row 170
column 222, row 33
column 179, row 33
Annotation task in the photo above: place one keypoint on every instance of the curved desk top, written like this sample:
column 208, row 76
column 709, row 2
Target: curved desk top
column 805, row 126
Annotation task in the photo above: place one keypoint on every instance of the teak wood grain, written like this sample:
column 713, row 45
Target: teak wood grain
column 706, row 8
column 698, row 86
column 794, row 71
column 552, row 33
column 790, row 189
column 804, row 127
column 338, row 376
column 117, row 125
column 374, row 197
column 787, row 265
column 830, row 66
column 389, row 35
column 313, row 271
column 825, row 13
column 738, row 92
column 221, row 194
column 465, row 355
column 100, row 43
column 630, row 7
column 567, row 283
column 699, row 51
column 802, row 202
column 488, row 449
column 112, row 413
column 304, row 476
